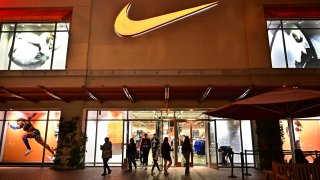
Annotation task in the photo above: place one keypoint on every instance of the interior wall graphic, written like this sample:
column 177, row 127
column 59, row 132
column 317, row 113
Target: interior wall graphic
column 306, row 132
column 25, row 137
column 101, row 124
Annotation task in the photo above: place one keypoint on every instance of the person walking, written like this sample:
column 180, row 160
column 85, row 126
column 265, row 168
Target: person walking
column 145, row 148
column 165, row 151
column 131, row 153
column 154, row 139
column 186, row 151
column 155, row 155
column 106, row 155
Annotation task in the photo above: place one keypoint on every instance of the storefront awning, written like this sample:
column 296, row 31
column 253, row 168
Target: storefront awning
column 134, row 93
column 290, row 12
column 35, row 14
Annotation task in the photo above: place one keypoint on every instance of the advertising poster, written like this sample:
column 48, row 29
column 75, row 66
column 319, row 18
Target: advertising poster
column 33, row 46
column 306, row 132
column 25, row 138
column 294, row 43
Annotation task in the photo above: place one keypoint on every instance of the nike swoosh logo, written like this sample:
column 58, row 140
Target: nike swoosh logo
column 126, row 27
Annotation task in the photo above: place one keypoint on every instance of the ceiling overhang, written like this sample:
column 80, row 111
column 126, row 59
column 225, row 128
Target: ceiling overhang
column 133, row 94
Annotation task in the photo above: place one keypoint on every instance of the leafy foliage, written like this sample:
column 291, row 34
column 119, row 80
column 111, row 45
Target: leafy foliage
column 70, row 151
column 270, row 140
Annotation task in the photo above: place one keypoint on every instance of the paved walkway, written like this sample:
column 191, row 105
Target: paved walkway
column 92, row 173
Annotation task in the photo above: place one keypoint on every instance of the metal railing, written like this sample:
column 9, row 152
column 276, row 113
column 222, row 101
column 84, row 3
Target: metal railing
column 246, row 153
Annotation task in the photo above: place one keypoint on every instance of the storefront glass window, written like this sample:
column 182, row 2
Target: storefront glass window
column 228, row 134
column 33, row 46
column 247, row 138
column 24, row 134
column 306, row 133
column 294, row 43
column 101, row 124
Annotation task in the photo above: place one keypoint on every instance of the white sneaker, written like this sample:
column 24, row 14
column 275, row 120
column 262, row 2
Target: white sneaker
column 27, row 152
column 52, row 158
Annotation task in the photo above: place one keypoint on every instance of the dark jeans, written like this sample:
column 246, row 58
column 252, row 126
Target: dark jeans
column 145, row 156
column 132, row 160
column 187, row 157
column 155, row 164
column 105, row 165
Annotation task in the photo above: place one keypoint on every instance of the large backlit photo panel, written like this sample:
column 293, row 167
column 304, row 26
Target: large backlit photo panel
column 294, row 43
column 25, row 138
column 33, row 46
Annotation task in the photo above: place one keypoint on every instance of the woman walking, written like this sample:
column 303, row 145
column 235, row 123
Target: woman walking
column 186, row 151
column 106, row 155
column 165, row 151
column 155, row 155
column 131, row 153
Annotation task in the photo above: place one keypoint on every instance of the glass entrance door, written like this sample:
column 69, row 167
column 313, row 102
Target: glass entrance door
column 212, row 142
column 137, row 129
column 168, row 131
column 183, row 129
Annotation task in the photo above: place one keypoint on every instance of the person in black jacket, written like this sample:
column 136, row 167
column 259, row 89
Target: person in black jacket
column 145, row 148
column 186, row 151
column 300, row 158
column 131, row 153
column 165, row 151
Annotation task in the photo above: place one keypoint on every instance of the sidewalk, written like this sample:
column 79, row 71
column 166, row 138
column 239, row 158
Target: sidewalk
column 92, row 173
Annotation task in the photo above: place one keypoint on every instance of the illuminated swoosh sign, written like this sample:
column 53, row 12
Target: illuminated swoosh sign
column 129, row 28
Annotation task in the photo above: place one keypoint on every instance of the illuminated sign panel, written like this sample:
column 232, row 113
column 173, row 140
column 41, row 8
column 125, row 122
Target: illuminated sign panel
column 33, row 46
column 129, row 28
column 294, row 43
column 29, row 136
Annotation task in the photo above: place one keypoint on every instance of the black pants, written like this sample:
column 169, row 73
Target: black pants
column 105, row 165
column 187, row 165
column 155, row 164
column 132, row 160
column 145, row 156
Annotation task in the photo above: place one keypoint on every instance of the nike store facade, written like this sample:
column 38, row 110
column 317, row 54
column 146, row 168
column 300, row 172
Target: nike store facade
column 123, row 69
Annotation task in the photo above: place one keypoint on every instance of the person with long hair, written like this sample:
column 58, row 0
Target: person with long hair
column 30, row 132
column 131, row 153
column 155, row 155
column 106, row 155
column 186, row 151
column 165, row 151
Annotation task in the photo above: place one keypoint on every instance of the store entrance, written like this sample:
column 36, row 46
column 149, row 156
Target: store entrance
column 137, row 129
